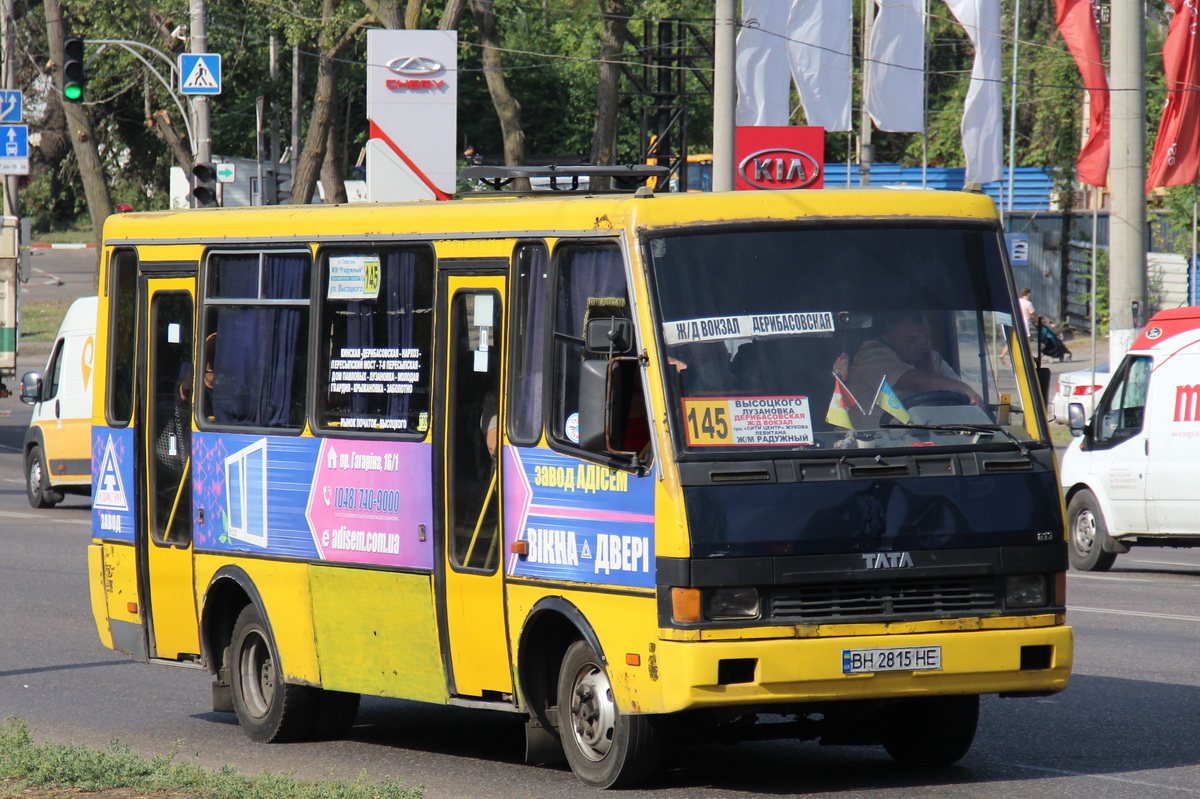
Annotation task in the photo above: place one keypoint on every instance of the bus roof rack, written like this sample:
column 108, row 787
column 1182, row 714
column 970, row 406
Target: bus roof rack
column 565, row 179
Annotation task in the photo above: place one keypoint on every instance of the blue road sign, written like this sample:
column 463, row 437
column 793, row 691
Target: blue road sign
column 14, row 150
column 10, row 107
column 14, row 141
column 200, row 73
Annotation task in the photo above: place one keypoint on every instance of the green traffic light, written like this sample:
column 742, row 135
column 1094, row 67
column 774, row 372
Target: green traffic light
column 73, row 92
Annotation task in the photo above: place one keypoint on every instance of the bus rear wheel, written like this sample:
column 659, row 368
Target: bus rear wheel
column 606, row 748
column 929, row 732
column 268, row 709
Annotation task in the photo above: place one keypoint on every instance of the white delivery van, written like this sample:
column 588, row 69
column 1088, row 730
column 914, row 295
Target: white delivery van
column 58, row 443
column 1132, row 475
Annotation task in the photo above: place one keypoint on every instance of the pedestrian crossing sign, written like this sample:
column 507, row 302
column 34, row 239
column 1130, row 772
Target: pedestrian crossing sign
column 200, row 73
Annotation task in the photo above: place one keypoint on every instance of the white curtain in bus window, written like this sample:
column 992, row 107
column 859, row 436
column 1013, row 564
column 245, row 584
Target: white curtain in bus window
column 260, row 350
column 378, row 314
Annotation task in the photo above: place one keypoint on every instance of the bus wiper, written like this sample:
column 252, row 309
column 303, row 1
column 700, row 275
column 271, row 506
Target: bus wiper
column 960, row 427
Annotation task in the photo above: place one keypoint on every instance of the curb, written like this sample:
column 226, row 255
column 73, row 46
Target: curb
column 63, row 246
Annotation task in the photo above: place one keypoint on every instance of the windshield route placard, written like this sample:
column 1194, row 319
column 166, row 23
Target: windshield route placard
column 748, row 421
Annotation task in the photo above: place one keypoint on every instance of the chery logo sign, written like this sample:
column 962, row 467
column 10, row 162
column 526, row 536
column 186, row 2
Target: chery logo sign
column 415, row 72
column 779, row 168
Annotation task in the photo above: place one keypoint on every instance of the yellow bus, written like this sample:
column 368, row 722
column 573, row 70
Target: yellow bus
column 615, row 463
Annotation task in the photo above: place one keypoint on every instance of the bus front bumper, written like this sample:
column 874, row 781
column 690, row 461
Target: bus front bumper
column 710, row 674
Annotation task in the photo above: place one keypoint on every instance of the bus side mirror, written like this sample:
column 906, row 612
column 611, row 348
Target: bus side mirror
column 1076, row 420
column 593, row 395
column 31, row 387
column 606, row 399
column 611, row 336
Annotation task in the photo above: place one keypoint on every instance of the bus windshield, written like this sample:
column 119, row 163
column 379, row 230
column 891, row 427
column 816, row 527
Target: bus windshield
column 791, row 340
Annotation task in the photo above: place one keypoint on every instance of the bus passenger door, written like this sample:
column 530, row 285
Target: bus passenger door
column 475, row 635
column 165, row 359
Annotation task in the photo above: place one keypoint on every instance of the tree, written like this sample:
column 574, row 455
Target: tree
column 604, row 137
column 507, row 107
column 332, row 39
column 79, row 127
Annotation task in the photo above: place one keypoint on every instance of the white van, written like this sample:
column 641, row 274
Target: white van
column 1132, row 477
column 58, row 443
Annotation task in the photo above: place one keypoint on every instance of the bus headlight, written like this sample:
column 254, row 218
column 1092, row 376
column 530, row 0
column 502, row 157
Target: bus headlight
column 731, row 603
column 1025, row 591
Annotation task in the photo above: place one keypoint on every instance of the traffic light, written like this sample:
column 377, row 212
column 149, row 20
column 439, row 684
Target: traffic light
column 74, row 78
column 204, row 185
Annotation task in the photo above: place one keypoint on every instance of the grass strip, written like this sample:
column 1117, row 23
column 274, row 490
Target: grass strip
column 40, row 320
column 29, row 768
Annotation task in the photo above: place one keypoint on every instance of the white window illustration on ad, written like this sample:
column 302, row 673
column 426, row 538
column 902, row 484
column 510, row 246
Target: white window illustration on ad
column 246, row 494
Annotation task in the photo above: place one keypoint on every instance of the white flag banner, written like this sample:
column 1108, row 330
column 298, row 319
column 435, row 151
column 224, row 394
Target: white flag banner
column 762, row 69
column 982, row 122
column 896, row 66
column 819, row 50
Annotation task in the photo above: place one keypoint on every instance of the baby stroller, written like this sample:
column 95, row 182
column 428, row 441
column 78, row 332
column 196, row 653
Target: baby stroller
column 1051, row 343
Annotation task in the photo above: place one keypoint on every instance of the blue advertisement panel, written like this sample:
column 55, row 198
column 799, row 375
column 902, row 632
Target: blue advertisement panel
column 113, row 505
column 582, row 522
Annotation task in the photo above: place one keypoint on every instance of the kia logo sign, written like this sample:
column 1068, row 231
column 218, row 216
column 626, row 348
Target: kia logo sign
column 415, row 66
column 779, row 169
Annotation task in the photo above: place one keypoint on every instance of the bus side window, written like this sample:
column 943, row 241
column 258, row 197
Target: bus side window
column 531, row 267
column 122, row 337
column 375, row 368
column 257, row 321
column 590, row 284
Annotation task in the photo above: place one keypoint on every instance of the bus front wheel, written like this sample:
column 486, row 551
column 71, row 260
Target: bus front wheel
column 933, row 731
column 606, row 748
column 268, row 709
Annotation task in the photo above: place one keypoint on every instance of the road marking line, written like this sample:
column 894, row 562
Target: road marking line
column 11, row 515
column 1166, row 563
column 1143, row 614
column 1102, row 578
column 1070, row 773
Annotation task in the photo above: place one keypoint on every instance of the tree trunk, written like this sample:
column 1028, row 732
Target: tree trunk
column 387, row 13
column 79, row 130
column 451, row 15
column 507, row 108
column 412, row 15
column 333, row 173
column 325, row 107
column 604, row 134
column 160, row 123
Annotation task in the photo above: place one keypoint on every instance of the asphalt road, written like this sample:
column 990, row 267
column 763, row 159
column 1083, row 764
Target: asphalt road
column 1127, row 726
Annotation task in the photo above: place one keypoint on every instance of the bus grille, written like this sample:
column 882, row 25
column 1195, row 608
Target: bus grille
column 896, row 599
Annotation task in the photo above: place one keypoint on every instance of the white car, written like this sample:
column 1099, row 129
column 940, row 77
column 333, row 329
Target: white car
column 1082, row 387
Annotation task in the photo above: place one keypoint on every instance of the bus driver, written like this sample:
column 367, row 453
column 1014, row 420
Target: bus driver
column 901, row 352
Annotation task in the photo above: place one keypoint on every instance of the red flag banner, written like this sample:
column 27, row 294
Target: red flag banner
column 1177, row 148
column 1079, row 29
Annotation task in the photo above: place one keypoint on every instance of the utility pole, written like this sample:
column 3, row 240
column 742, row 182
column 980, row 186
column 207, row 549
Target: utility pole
column 724, row 95
column 8, row 40
column 1127, row 309
column 866, row 150
column 202, row 125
